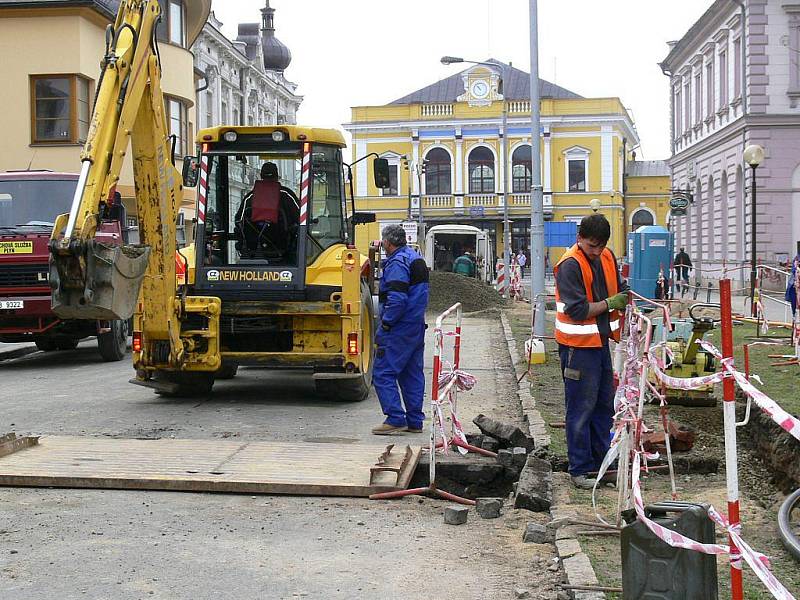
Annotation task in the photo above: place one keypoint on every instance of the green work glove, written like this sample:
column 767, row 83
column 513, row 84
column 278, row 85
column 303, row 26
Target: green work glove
column 618, row 301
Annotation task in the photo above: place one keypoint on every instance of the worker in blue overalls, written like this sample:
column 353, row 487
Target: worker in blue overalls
column 400, row 339
column 590, row 298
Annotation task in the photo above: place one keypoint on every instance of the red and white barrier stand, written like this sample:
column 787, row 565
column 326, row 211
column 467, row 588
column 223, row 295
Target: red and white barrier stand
column 447, row 380
column 515, row 291
column 628, row 426
column 500, row 269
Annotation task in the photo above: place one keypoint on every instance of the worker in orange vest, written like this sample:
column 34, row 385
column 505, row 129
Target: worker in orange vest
column 589, row 297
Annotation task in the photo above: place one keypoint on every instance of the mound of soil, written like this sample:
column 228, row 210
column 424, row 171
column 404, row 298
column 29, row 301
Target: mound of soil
column 448, row 288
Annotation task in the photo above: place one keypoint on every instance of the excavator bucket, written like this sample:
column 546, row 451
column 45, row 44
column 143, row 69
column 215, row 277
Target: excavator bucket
column 101, row 284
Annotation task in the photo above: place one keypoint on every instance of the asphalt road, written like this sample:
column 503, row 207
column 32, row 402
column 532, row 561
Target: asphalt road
column 60, row 543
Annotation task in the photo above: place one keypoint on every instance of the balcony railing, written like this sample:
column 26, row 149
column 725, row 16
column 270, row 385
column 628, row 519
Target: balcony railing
column 464, row 204
column 439, row 201
column 437, row 110
column 519, row 106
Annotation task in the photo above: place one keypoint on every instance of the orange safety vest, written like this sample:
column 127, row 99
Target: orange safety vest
column 585, row 334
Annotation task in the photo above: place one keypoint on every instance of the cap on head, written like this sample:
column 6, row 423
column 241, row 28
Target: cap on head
column 394, row 234
column 269, row 170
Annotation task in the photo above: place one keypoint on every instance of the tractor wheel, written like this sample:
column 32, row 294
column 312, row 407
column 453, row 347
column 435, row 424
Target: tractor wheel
column 46, row 344
column 66, row 343
column 114, row 344
column 356, row 389
column 188, row 384
column 226, row 372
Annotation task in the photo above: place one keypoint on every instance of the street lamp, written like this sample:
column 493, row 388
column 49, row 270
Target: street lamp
column 753, row 156
column 594, row 204
column 501, row 70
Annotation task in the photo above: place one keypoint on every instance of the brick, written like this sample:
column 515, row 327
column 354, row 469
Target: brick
column 488, row 508
column 507, row 434
column 535, row 486
column 536, row 534
column 456, row 515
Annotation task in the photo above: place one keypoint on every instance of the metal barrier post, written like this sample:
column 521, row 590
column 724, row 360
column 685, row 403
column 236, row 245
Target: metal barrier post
column 731, row 459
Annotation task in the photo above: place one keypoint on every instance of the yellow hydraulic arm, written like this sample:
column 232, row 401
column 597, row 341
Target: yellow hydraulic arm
column 92, row 280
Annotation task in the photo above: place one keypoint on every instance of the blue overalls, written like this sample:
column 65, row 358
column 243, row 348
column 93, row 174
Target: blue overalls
column 400, row 340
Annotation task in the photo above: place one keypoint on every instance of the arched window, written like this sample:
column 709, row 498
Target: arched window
column 437, row 172
column 481, row 171
column 641, row 218
column 521, row 170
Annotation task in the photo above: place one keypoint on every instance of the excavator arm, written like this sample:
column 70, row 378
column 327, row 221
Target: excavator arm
column 94, row 280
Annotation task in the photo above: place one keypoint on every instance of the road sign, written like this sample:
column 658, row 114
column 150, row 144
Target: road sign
column 477, row 211
column 412, row 231
column 679, row 203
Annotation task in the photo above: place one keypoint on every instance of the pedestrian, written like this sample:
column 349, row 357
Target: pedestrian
column 682, row 264
column 522, row 260
column 589, row 297
column 791, row 286
column 400, row 339
column 464, row 265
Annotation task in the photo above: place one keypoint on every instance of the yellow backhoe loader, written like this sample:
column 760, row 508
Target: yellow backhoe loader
column 273, row 278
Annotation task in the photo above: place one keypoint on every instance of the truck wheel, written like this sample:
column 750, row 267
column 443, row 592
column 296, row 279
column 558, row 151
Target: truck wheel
column 356, row 389
column 226, row 372
column 114, row 344
column 66, row 343
column 45, row 344
column 187, row 384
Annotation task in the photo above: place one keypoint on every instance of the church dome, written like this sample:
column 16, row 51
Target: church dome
column 276, row 56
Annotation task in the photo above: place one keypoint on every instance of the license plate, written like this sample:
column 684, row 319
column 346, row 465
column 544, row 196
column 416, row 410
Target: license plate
column 11, row 304
column 16, row 247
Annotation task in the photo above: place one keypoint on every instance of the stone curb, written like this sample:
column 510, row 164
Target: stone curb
column 577, row 567
column 533, row 420
column 18, row 352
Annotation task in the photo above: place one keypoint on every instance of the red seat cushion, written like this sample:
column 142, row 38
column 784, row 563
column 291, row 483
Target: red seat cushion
column 266, row 201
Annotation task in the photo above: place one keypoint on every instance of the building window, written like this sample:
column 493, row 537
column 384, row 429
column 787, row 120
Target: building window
column 698, row 99
column 437, row 172
column 178, row 123
column 641, row 218
column 172, row 27
column 521, row 170
column 710, row 89
column 576, row 172
column 737, row 68
column 209, row 109
column 687, row 106
column 59, row 109
column 392, row 190
column 723, row 78
column 481, row 171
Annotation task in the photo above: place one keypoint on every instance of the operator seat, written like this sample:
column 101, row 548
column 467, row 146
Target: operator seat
column 263, row 225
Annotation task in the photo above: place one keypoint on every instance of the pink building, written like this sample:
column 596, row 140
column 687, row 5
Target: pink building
column 735, row 81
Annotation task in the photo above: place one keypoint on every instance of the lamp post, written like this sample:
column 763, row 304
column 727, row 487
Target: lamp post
column 753, row 156
column 502, row 70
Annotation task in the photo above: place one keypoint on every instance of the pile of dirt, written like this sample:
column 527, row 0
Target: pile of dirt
column 448, row 288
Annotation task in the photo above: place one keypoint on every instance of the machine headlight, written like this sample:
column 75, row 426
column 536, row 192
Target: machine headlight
column 230, row 136
column 278, row 136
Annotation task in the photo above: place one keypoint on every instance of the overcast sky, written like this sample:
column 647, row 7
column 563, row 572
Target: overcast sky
column 369, row 52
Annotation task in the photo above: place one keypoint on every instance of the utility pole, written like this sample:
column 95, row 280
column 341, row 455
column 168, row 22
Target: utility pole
column 537, row 200
column 506, row 223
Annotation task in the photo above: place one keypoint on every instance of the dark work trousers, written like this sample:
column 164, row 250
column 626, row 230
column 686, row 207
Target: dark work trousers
column 589, row 394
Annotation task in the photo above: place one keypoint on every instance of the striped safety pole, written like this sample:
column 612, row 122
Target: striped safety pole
column 203, row 191
column 501, row 278
column 305, row 183
column 731, row 459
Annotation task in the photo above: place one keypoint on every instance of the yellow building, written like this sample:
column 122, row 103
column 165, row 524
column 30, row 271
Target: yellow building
column 51, row 62
column 444, row 143
column 647, row 193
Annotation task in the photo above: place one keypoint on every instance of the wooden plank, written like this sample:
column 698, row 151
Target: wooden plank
column 208, row 466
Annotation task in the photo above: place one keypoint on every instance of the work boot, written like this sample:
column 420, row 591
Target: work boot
column 414, row 429
column 387, row 429
column 582, row 482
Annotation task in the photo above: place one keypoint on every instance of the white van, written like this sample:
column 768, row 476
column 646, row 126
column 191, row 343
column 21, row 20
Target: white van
column 445, row 243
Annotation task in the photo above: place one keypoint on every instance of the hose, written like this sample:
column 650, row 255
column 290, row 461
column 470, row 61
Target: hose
column 788, row 537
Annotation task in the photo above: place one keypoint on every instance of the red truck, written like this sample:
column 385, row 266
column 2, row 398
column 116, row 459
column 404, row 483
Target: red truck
column 29, row 204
